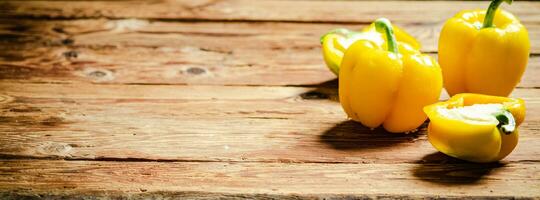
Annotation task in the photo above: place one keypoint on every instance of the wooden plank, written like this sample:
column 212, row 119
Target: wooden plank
column 178, row 53
column 272, row 10
column 203, row 180
column 150, row 33
column 241, row 124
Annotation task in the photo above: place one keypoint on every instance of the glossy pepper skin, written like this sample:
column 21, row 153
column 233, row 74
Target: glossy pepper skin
column 380, row 84
column 483, row 52
column 470, row 139
column 335, row 42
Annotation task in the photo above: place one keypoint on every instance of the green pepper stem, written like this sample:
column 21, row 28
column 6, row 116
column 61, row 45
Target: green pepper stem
column 383, row 24
column 507, row 123
column 492, row 9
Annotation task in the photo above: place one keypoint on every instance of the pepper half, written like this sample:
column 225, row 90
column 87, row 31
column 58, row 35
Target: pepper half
column 475, row 127
column 381, row 84
column 335, row 43
column 483, row 52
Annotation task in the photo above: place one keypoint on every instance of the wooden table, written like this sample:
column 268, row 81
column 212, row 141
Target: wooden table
column 221, row 99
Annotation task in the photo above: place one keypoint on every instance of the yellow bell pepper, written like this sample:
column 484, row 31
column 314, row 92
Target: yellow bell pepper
column 385, row 85
column 483, row 52
column 475, row 127
column 335, row 42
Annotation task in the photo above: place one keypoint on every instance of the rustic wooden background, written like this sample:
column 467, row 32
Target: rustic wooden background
column 221, row 99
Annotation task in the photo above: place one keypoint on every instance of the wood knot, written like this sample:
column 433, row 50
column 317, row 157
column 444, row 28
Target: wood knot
column 98, row 75
column 314, row 95
column 54, row 148
column 195, row 70
column 5, row 99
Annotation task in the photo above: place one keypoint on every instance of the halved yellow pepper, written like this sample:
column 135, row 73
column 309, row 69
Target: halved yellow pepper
column 475, row 127
column 381, row 84
column 483, row 52
column 335, row 42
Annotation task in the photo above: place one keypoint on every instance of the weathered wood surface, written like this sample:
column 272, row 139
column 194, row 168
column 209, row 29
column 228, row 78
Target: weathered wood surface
column 76, row 179
column 182, row 52
column 252, row 124
column 221, row 99
column 269, row 10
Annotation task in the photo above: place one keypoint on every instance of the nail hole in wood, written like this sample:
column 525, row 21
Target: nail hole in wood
column 68, row 41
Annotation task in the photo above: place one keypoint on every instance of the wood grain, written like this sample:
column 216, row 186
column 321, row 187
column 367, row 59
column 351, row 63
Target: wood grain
column 270, row 10
column 179, row 52
column 222, row 99
column 151, row 33
column 234, row 123
column 111, row 180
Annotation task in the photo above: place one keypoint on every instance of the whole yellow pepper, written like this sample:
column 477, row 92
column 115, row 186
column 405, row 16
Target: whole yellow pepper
column 335, row 42
column 483, row 52
column 385, row 85
column 475, row 127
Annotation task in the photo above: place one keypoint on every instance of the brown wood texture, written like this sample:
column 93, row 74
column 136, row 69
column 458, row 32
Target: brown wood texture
column 269, row 10
column 222, row 99
column 252, row 124
column 80, row 179
column 183, row 52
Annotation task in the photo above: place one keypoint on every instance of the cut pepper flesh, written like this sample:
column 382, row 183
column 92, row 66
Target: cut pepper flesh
column 474, row 114
column 473, row 127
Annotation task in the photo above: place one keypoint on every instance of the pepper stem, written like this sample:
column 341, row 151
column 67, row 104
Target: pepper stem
column 383, row 24
column 492, row 9
column 507, row 123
